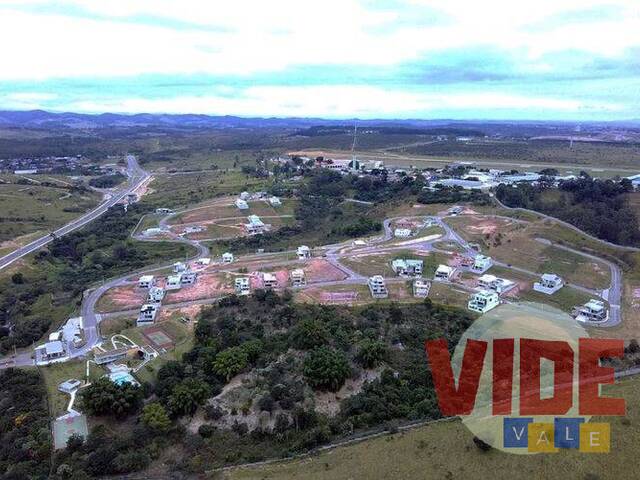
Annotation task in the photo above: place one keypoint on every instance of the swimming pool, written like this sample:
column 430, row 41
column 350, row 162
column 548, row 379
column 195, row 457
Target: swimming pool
column 120, row 378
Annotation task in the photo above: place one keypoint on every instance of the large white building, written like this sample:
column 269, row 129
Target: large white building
column 174, row 282
column 242, row 204
column 146, row 281
column 377, row 287
column 549, row 283
column 242, row 286
column 443, row 273
column 156, row 295
column 421, row 287
column 491, row 282
column 481, row 264
column 303, row 252
column 275, row 201
column 298, row 278
column 255, row 226
column 592, row 311
column 227, row 257
column 147, row 314
column 269, row 280
column 483, row 301
column 407, row 268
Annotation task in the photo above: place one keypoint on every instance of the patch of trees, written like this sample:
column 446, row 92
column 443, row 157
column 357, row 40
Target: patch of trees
column 104, row 397
column 107, row 181
column 594, row 205
column 453, row 195
column 292, row 350
column 25, row 439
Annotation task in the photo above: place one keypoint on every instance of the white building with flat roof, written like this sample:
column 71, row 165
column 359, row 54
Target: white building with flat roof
column 156, row 295
column 443, row 273
column 402, row 232
column 227, row 257
column 303, row 252
column 147, row 314
column 269, row 280
column 255, row 226
column 242, row 204
column 188, row 278
column 483, row 301
column 174, row 282
column 481, row 264
column 593, row 311
column 549, row 283
column 146, row 281
column 377, row 287
column 242, row 286
column 407, row 268
column 275, row 201
column 179, row 267
column 491, row 282
column 421, row 287
column 298, row 278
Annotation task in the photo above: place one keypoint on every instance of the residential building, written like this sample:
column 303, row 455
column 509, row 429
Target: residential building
column 491, row 282
column 549, row 283
column 147, row 314
column 163, row 211
column 69, row 386
column 110, row 356
column 73, row 332
column 146, row 281
column 407, row 268
column 227, row 257
column 156, row 295
column 245, row 196
column 592, row 311
column 179, row 267
column 242, row 204
column 298, row 278
column 255, row 225
column 188, row 278
column 50, row 352
column 402, row 232
column 303, row 252
column 243, row 285
column 174, row 282
column 483, row 301
column 193, row 229
column 481, row 264
column 203, row 262
column 443, row 273
column 269, row 280
column 377, row 287
column 275, row 201
column 421, row 287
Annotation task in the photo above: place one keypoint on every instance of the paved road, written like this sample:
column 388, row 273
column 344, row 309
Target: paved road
column 136, row 177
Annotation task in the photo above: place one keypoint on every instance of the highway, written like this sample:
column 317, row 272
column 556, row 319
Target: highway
column 137, row 176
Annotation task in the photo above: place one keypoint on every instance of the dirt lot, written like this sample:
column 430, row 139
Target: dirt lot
column 122, row 298
column 317, row 270
column 208, row 285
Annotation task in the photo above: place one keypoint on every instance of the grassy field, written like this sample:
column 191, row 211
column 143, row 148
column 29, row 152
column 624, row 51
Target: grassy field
column 446, row 451
column 34, row 207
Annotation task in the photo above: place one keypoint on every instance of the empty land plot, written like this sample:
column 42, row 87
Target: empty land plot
column 446, row 450
column 317, row 270
column 208, row 285
column 31, row 207
column 126, row 297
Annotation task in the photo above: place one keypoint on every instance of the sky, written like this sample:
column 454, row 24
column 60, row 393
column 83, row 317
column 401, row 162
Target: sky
column 430, row 59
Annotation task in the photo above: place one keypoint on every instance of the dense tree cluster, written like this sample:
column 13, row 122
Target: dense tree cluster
column 25, row 439
column 596, row 206
column 107, row 181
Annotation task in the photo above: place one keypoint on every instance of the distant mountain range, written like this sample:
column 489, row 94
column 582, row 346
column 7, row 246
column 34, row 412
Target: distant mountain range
column 43, row 119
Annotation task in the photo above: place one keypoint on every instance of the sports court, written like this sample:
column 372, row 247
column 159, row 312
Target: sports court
column 158, row 337
column 67, row 425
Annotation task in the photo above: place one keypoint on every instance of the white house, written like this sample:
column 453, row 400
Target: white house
column 193, row 229
column 179, row 267
column 592, row 311
column 174, row 282
column 156, row 295
column 242, row 204
column 491, row 282
column 269, row 280
column 443, row 273
column 275, row 201
column 242, row 285
column 245, row 196
column 421, row 287
column 203, row 262
column 303, row 252
column 146, row 281
column 377, row 287
column 188, row 278
column 484, row 301
column 227, row 257
column 549, row 283
column 407, row 268
column 481, row 264
column 298, row 278
column 69, row 386
column 402, row 232
column 147, row 314
column 51, row 352
column 255, row 225
column 163, row 211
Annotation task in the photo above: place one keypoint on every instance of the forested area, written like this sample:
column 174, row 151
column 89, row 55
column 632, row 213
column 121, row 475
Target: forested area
column 594, row 205
column 107, row 181
column 25, row 439
column 30, row 302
